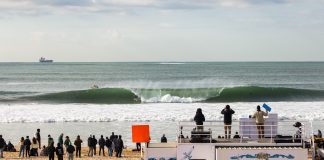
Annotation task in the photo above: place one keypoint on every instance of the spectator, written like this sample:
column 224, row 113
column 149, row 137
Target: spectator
column 164, row 139
column 38, row 138
column 22, row 147
column 34, row 147
column 77, row 144
column 227, row 112
column 27, row 144
column 119, row 146
column 94, row 144
column 70, row 150
column 2, row 146
column 109, row 146
column 102, row 143
column 59, row 151
column 51, row 151
column 199, row 119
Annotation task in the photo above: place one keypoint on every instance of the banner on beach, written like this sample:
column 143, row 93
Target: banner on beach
column 140, row 133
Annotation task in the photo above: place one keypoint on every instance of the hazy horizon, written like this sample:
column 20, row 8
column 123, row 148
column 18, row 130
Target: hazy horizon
column 161, row 30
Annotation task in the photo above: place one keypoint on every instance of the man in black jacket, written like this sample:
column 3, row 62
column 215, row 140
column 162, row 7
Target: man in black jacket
column 102, row 143
column 27, row 144
column 2, row 146
column 119, row 146
column 94, row 144
column 227, row 112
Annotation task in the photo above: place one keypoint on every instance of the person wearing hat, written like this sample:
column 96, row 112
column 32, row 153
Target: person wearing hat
column 259, row 120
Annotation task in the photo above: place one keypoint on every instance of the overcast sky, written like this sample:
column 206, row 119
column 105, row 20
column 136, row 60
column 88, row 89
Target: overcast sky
column 162, row 30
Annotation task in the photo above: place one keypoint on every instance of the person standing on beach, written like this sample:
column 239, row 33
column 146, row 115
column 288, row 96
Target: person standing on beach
column 27, row 144
column 199, row 119
column 50, row 140
column 227, row 112
column 259, row 119
column 109, row 146
column 90, row 152
column 2, row 146
column 77, row 144
column 38, row 138
column 22, row 147
column 102, row 143
column 51, row 151
column 60, row 139
column 94, row 144
column 70, row 151
column 59, row 151
column 67, row 142
column 119, row 146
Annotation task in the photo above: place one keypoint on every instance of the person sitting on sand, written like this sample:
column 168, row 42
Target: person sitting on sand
column 227, row 112
column 77, row 144
column 102, row 143
column 164, row 139
column 199, row 119
column 11, row 147
column 44, row 151
column 259, row 119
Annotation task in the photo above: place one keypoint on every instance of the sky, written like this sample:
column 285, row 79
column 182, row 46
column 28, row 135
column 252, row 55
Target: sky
column 161, row 30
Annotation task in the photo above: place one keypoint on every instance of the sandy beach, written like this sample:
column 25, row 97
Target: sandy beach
column 127, row 154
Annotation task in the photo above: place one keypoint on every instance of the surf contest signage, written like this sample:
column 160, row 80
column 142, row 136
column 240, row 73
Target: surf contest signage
column 262, row 154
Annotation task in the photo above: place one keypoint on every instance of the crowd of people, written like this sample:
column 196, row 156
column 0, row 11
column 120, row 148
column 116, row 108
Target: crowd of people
column 64, row 146
column 258, row 115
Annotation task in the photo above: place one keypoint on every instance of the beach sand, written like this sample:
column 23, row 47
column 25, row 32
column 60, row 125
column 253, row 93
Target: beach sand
column 127, row 154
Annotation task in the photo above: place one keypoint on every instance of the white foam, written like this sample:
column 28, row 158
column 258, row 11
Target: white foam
column 18, row 113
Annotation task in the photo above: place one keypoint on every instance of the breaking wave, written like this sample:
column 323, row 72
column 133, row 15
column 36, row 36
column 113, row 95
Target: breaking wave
column 189, row 95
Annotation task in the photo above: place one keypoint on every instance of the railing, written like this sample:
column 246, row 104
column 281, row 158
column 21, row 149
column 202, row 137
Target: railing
column 247, row 133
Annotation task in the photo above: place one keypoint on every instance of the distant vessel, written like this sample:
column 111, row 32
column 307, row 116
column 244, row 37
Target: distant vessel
column 43, row 60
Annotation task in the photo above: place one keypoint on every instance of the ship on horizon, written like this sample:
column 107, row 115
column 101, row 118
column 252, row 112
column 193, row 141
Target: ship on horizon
column 43, row 60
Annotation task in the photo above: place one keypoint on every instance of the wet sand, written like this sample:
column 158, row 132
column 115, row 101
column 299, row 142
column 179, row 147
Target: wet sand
column 127, row 154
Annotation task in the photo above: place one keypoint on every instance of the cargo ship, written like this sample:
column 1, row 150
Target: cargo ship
column 43, row 60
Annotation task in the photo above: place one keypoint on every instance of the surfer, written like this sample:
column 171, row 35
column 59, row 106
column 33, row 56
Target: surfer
column 199, row 119
column 227, row 112
column 94, row 86
column 259, row 119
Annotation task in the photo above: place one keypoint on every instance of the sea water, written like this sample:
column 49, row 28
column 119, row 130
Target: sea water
column 57, row 97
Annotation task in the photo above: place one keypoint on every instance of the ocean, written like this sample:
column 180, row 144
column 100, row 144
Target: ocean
column 57, row 97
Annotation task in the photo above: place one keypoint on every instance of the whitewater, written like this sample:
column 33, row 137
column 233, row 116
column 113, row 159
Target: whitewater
column 148, row 112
